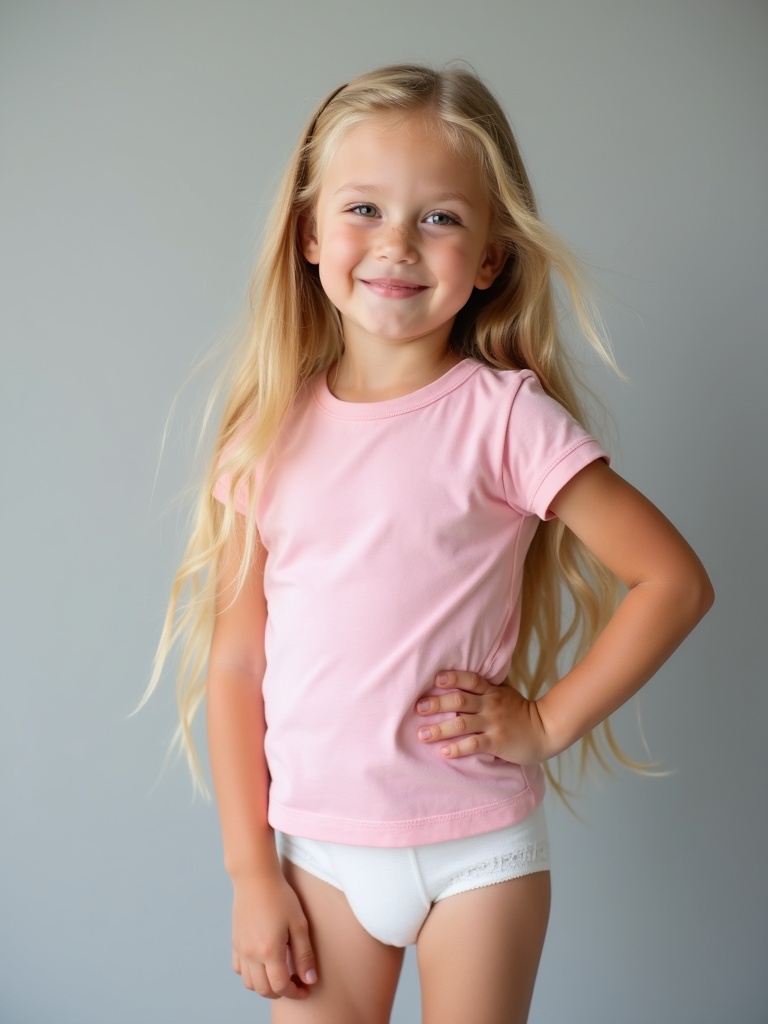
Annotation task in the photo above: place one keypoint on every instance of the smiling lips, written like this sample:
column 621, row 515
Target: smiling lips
column 391, row 288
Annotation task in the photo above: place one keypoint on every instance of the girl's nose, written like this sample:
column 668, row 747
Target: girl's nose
column 396, row 243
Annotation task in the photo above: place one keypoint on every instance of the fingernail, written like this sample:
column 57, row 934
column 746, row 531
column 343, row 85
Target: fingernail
column 445, row 751
column 424, row 734
column 423, row 705
column 310, row 977
column 442, row 678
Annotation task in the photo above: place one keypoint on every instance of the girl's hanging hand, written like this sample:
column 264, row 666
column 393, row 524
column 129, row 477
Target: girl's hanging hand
column 489, row 719
column 271, row 950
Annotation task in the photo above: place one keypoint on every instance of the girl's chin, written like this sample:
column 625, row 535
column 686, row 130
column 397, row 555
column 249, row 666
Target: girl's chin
column 394, row 329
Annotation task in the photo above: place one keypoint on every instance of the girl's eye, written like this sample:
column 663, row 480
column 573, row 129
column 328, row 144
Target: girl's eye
column 440, row 219
column 363, row 209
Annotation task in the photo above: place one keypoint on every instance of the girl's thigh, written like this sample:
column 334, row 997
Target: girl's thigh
column 357, row 974
column 479, row 951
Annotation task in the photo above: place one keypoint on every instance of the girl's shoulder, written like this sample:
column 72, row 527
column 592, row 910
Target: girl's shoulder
column 507, row 377
column 507, row 385
column 530, row 414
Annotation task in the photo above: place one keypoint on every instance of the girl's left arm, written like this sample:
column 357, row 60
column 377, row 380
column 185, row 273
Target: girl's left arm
column 668, row 592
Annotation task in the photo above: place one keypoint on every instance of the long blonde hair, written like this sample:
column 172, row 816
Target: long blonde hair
column 293, row 332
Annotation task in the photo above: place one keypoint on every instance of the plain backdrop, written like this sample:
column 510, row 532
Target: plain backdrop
column 141, row 142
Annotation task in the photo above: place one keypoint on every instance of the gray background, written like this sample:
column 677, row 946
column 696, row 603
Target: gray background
column 141, row 142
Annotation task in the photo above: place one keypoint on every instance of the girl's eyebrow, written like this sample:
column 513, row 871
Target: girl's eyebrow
column 354, row 187
column 442, row 197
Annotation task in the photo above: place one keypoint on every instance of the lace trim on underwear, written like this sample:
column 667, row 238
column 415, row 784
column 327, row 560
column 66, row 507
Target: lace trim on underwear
column 522, row 860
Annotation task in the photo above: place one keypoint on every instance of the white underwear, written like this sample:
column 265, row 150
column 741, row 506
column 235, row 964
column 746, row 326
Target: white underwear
column 391, row 889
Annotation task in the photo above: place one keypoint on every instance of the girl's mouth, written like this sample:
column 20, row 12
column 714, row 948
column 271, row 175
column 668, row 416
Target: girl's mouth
column 391, row 288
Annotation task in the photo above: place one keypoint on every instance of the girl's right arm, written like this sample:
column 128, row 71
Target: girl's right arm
column 267, row 915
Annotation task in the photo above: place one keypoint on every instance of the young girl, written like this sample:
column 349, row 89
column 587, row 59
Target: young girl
column 372, row 602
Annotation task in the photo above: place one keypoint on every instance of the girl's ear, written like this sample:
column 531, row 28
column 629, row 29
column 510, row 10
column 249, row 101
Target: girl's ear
column 492, row 265
column 308, row 240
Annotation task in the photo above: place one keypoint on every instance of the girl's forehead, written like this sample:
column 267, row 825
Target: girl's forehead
column 401, row 140
column 409, row 126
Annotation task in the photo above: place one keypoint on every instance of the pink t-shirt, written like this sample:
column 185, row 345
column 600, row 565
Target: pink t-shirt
column 396, row 533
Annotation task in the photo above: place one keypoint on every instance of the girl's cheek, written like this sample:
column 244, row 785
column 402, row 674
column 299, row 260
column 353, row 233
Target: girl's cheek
column 347, row 242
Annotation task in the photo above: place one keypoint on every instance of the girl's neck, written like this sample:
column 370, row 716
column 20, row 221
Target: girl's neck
column 355, row 380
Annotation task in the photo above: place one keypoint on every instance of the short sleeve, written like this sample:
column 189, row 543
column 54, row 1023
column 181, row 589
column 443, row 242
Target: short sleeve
column 221, row 493
column 545, row 447
column 242, row 491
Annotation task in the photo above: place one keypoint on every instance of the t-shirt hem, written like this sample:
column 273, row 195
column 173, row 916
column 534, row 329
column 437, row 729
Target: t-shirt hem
column 420, row 831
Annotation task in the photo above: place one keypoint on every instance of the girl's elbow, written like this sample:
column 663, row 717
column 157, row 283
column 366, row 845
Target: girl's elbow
column 700, row 594
column 707, row 595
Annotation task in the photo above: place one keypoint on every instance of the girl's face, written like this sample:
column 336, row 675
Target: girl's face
column 401, row 233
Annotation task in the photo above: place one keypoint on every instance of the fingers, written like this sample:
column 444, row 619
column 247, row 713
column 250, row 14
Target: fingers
column 467, row 688
column 276, row 971
column 277, row 976
column 457, row 701
column 467, row 700
column 478, row 743
column 302, row 954
column 471, row 681
column 473, row 741
column 271, row 950
column 458, row 726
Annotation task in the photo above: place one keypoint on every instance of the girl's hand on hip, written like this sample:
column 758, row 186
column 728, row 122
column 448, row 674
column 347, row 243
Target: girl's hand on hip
column 489, row 719
column 271, row 950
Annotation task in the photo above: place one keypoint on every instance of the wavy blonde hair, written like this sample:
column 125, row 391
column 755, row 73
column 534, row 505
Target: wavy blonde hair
column 292, row 332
